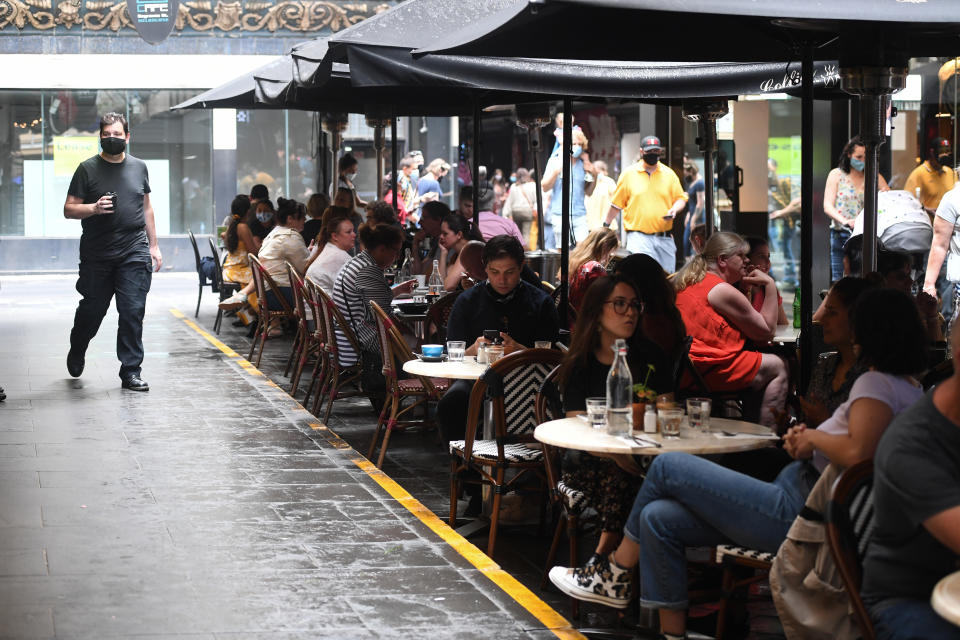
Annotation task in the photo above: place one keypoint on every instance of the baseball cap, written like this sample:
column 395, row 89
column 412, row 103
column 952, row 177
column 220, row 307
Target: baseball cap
column 939, row 143
column 651, row 143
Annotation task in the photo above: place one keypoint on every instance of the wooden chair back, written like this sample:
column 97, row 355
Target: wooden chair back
column 850, row 526
column 437, row 316
column 264, row 282
column 299, row 296
column 335, row 322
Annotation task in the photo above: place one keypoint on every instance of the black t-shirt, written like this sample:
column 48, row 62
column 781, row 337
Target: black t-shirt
column 311, row 228
column 527, row 314
column 112, row 236
column 916, row 476
column 591, row 382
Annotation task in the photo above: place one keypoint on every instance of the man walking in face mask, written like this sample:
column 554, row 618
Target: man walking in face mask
column 934, row 177
column 650, row 196
column 110, row 194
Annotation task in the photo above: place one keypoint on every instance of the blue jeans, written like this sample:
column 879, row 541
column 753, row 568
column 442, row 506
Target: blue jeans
column 578, row 224
column 129, row 280
column 687, row 501
column 837, row 239
column 906, row 619
column 785, row 243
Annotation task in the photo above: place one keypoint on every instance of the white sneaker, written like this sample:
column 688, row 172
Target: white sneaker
column 235, row 301
column 600, row 581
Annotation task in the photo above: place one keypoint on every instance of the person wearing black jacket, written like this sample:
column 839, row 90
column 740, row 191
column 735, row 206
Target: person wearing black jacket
column 521, row 312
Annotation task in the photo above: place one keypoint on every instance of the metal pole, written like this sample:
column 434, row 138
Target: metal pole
column 379, row 142
column 566, row 155
column 708, row 129
column 539, row 191
column 871, row 131
column 806, row 218
column 476, row 164
column 393, row 161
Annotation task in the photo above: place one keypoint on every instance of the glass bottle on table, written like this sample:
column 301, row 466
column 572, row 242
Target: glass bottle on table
column 404, row 274
column 620, row 393
column 435, row 282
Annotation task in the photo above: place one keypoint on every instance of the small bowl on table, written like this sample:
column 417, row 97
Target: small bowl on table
column 432, row 351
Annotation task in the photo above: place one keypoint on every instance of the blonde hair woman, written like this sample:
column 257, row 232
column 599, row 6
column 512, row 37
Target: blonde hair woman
column 588, row 261
column 720, row 319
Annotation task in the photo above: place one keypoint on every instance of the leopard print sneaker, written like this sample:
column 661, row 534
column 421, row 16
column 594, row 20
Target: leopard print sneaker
column 600, row 581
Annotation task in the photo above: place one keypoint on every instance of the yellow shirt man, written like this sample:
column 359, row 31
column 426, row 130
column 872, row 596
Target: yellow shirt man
column 933, row 183
column 645, row 198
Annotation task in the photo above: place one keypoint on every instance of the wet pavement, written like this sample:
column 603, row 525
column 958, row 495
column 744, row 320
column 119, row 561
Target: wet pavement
column 214, row 506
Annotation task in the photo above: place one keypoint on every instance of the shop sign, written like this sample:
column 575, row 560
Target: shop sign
column 70, row 151
column 153, row 19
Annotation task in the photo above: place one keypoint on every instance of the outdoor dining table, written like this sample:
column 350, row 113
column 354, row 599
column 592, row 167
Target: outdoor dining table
column 785, row 334
column 946, row 598
column 417, row 321
column 576, row 433
column 468, row 369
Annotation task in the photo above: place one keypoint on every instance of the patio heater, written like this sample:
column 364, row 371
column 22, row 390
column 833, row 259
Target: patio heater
column 379, row 123
column 533, row 117
column 335, row 124
column 873, row 85
column 706, row 113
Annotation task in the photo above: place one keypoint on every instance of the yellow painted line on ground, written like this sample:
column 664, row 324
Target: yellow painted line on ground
column 543, row 612
column 230, row 353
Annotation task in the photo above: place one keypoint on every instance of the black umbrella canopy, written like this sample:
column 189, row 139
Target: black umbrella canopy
column 239, row 92
column 732, row 30
column 583, row 79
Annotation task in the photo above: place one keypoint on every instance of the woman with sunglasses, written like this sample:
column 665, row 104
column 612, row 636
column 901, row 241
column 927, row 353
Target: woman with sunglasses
column 611, row 310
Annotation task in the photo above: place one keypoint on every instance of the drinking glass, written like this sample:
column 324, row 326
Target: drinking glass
column 455, row 349
column 542, row 344
column 597, row 412
column 670, row 420
column 698, row 412
column 494, row 352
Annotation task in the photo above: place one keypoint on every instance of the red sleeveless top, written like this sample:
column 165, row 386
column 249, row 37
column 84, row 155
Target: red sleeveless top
column 717, row 350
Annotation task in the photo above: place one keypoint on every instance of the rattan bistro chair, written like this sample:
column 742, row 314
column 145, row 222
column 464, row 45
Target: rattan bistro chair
column 322, row 364
column 199, row 266
column 225, row 287
column 421, row 389
column 435, row 329
column 264, row 283
column 307, row 341
column 849, row 529
column 339, row 375
column 511, row 383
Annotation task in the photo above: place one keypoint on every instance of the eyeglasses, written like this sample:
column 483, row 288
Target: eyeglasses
column 622, row 306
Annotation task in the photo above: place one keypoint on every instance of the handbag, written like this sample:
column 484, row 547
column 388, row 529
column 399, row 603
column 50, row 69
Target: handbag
column 804, row 581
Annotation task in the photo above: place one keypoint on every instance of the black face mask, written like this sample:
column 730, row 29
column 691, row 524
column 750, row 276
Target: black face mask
column 651, row 158
column 945, row 159
column 113, row 146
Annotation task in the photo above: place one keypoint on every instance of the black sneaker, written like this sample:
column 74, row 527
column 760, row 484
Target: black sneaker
column 135, row 383
column 75, row 362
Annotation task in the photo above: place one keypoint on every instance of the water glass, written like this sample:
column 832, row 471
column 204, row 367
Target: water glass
column 455, row 349
column 542, row 344
column 670, row 421
column 597, row 412
column 494, row 352
column 698, row 413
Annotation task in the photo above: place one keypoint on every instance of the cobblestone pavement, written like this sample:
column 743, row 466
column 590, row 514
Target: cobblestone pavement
column 214, row 506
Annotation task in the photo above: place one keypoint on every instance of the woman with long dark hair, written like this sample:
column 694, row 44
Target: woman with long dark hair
column 611, row 311
column 843, row 199
column 335, row 240
column 239, row 242
column 689, row 501
column 455, row 232
column 661, row 320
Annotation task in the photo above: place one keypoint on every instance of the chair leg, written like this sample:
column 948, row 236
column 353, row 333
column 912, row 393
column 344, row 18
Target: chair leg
column 264, row 335
column 495, row 513
column 388, row 430
column 298, row 344
column 334, row 389
column 321, row 382
column 298, row 369
column 196, row 314
column 256, row 334
column 552, row 553
column 216, row 323
column 726, row 590
column 380, row 423
column 454, row 491
column 573, row 536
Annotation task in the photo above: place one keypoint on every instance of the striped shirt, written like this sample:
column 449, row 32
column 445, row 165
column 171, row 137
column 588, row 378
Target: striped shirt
column 358, row 282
